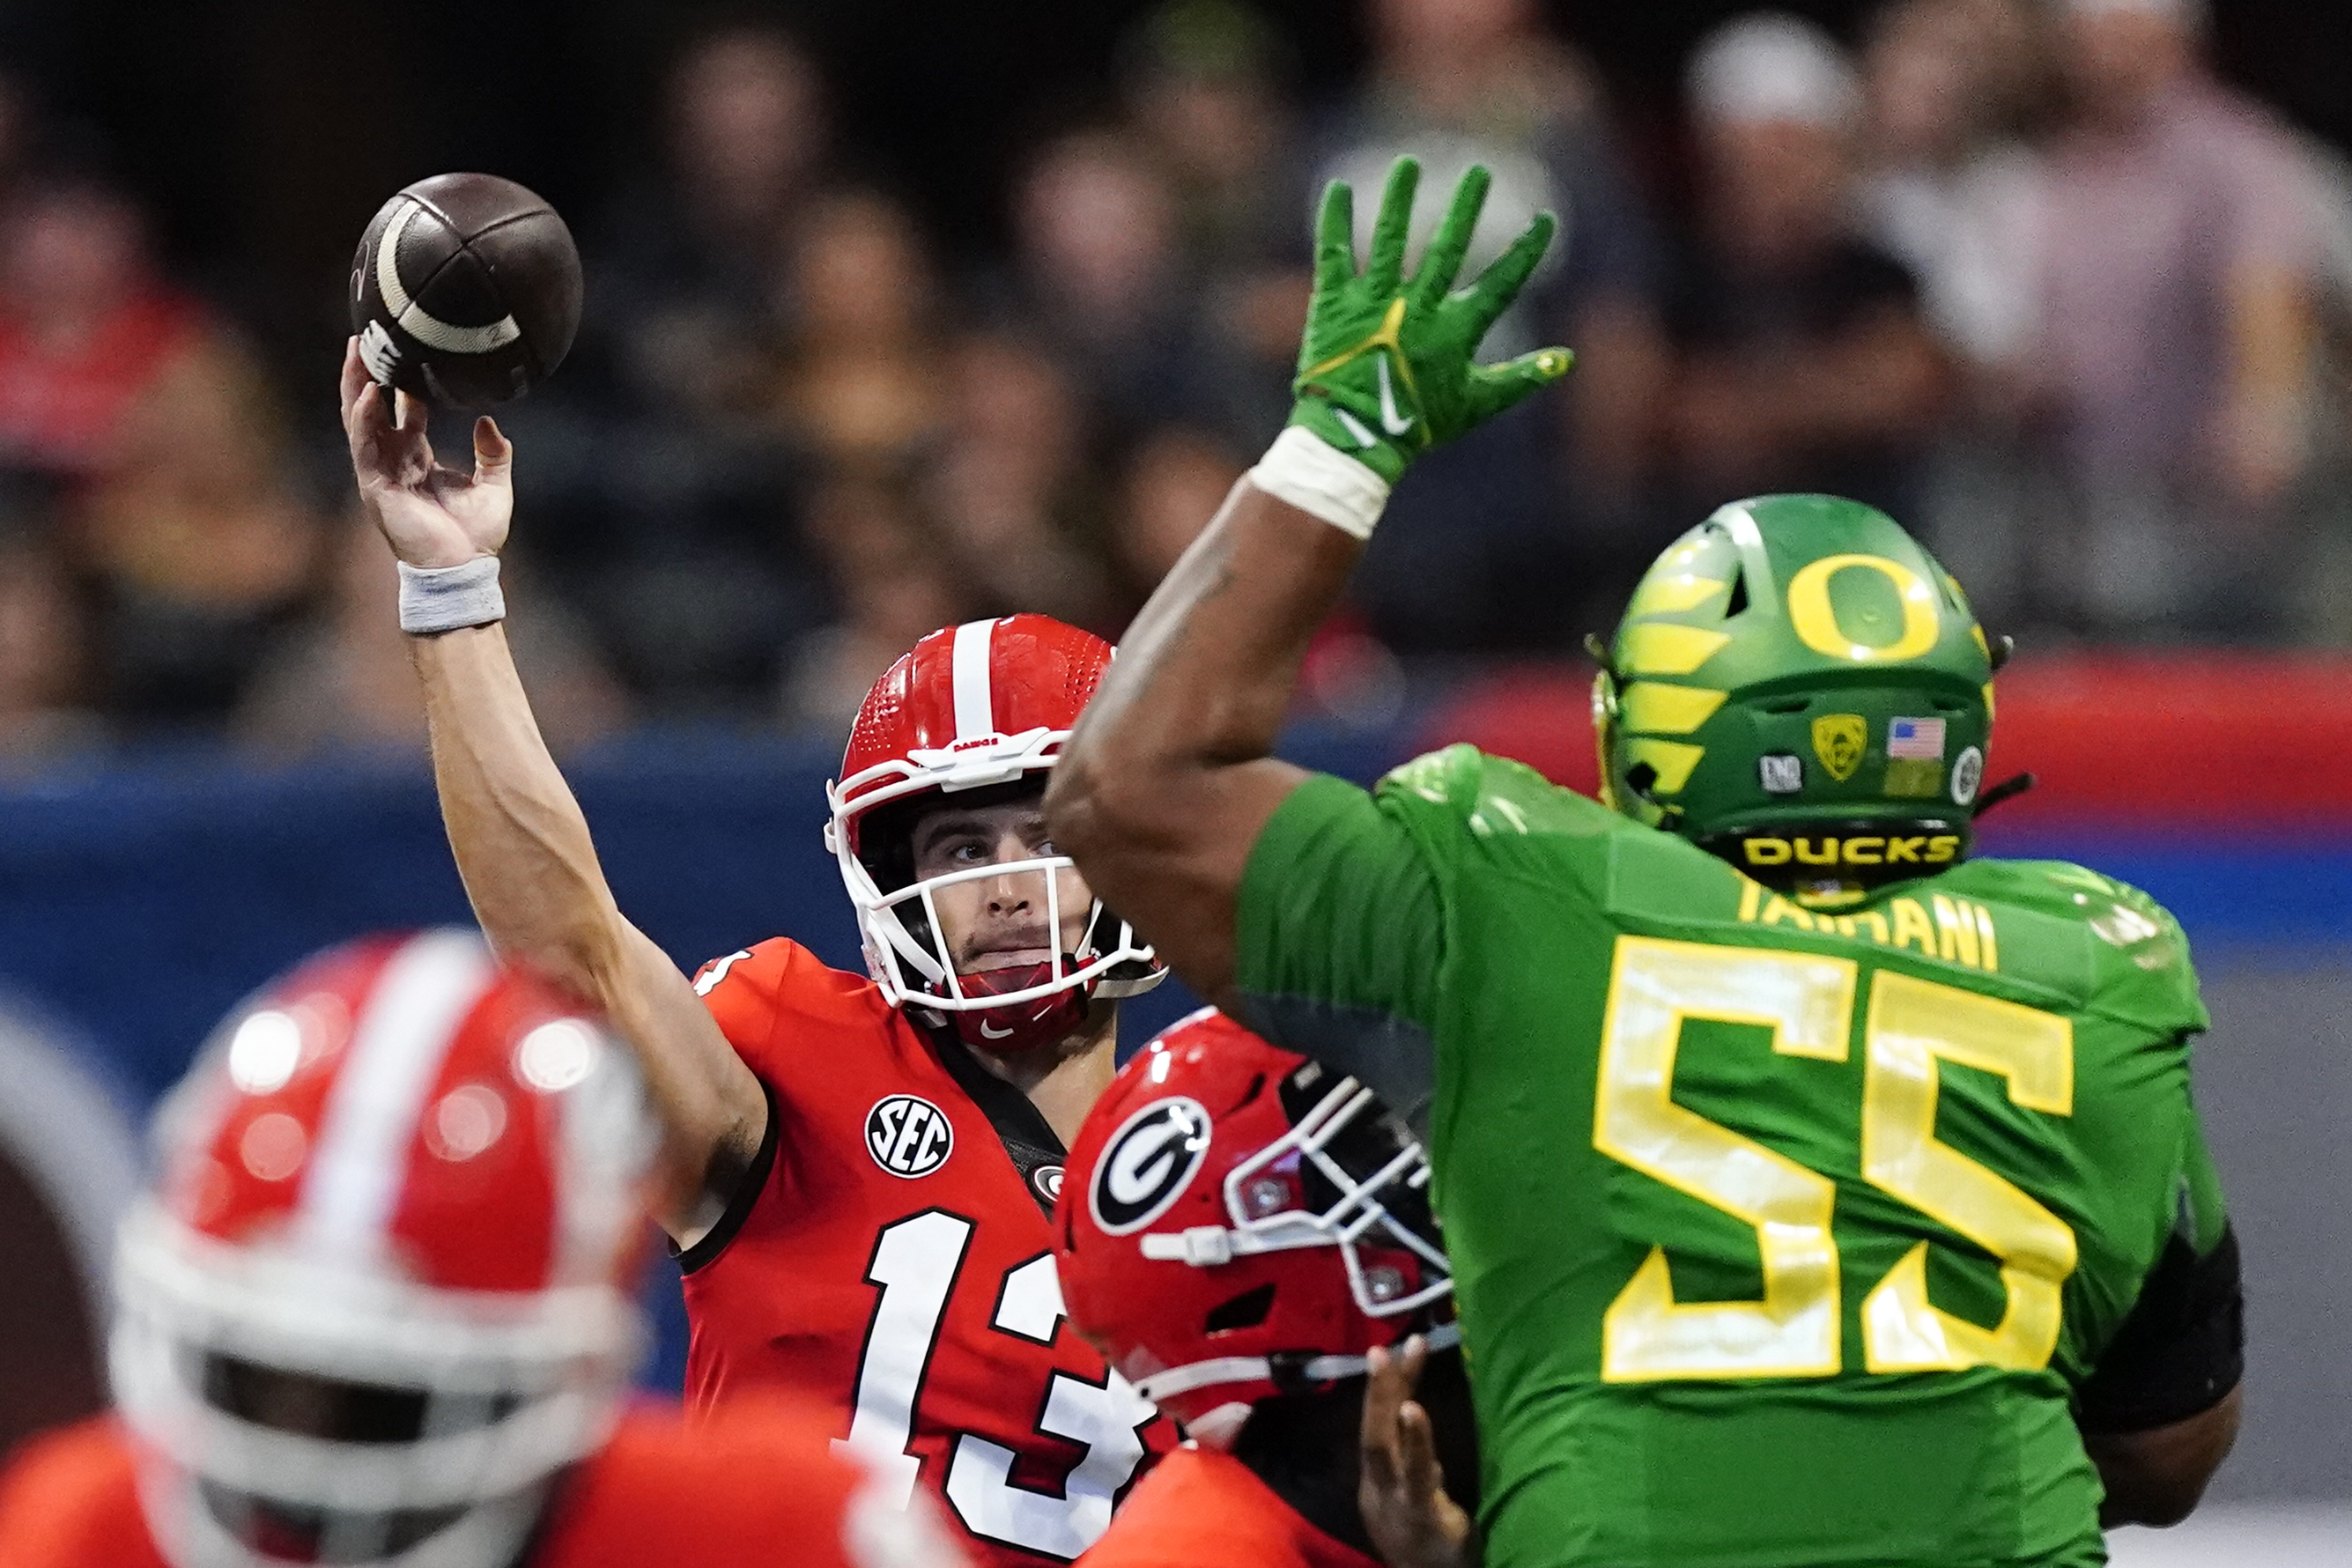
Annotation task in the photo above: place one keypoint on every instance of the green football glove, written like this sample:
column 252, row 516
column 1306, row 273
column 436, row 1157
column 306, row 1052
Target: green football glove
column 1386, row 368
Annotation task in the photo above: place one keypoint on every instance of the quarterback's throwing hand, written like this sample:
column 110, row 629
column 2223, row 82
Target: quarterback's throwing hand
column 433, row 515
column 1413, row 1521
column 1387, row 366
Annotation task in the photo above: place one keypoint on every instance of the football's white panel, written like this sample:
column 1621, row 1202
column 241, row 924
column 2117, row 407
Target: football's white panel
column 431, row 331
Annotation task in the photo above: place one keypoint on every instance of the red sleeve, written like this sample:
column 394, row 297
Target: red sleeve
column 69, row 1499
column 741, row 992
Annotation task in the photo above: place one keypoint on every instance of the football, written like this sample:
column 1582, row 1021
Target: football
column 466, row 290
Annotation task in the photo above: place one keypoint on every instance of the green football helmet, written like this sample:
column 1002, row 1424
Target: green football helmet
column 1801, row 688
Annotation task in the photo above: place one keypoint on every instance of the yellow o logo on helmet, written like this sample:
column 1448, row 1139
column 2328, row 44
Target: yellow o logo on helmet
column 1816, row 622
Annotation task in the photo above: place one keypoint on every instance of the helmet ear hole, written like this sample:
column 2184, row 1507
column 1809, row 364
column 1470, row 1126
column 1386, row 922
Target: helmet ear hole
column 1246, row 1311
column 1736, row 603
column 1640, row 777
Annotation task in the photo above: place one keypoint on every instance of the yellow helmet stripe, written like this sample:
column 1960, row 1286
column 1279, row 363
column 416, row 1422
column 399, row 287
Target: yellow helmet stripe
column 1664, row 647
column 1662, row 710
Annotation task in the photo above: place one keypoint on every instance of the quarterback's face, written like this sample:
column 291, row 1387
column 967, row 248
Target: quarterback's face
column 999, row 921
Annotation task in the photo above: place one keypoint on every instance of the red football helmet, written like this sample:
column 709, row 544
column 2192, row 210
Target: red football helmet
column 383, row 1289
column 985, row 704
column 1236, row 1222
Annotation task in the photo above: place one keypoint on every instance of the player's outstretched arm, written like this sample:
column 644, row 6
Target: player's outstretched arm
column 520, row 841
column 1163, row 787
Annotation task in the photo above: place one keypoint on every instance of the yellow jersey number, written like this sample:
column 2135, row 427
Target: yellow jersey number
column 1808, row 1003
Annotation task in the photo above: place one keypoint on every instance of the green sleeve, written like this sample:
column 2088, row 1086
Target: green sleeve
column 1340, row 936
column 2202, row 1213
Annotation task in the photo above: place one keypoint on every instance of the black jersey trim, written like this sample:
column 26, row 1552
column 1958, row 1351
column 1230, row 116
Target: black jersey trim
column 746, row 1196
column 1029, row 1140
column 2182, row 1349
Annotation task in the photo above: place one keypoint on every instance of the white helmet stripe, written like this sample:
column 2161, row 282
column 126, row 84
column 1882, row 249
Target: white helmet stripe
column 975, row 696
column 398, row 1044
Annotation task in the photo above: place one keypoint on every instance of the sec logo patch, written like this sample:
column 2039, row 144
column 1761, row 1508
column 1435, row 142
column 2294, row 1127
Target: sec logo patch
column 909, row 1136
column 1047, row 1180
column 1147, row 1164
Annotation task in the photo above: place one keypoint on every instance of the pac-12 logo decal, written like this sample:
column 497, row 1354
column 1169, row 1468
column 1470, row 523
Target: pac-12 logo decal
column 1839, row 740
column 909, row 1136
column 1147, row 1164
column 1047, row 1180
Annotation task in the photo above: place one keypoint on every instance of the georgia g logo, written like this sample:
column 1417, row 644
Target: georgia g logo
column 1147, row 1163
column 909, row 1136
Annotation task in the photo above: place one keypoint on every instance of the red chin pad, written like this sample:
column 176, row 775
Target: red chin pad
column 1023, row 1025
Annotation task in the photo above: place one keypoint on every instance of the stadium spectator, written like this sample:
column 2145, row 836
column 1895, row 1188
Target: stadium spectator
column 677, row 510
column 1953, row 190
column 1171, row 483
column 342, row 681
column 2177, row 340
column 87, row 325
column 1202, row 91
column 857, row 387
column 682, row 291
column 1495, row 553
column 1011, row 488
column 193, row 533
column 1951, row 186
column 44, row 716
column 1805, row 361
column 1099, row 277
column 893, row 582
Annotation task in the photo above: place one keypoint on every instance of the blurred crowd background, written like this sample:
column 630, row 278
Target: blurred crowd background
column 2034, row 275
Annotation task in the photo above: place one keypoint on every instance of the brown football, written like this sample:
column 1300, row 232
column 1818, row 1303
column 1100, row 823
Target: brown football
column 466, row 290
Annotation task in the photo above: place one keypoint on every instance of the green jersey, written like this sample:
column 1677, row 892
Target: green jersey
column 1780, row 1237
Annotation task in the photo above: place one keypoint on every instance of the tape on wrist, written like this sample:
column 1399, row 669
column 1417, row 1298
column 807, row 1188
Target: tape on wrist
column 450, row 598
column 1304, row 469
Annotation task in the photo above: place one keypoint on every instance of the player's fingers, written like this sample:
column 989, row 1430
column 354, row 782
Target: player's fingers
column 362, row 412
column 354, row 379
column 1501, row 283
column 410, row 436
column 1385, row 266
column 1496, row 387
column 1417, row 1452
column 368, row 430
column 1335, row 238
column 1441, row 263
column 1385, row 1389
column 493, row 453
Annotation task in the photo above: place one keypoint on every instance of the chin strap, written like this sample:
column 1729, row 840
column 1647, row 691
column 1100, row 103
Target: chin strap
column 2008, row 789
column 1178, row 1380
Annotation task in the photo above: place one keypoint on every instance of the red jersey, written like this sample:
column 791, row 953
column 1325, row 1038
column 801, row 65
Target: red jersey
column 891, row 1253
column 757, row 1489
column 1201, row 1509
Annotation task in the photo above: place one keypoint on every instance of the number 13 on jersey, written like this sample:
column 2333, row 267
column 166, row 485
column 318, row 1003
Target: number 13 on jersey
column 916, row 1264
column 1912, row 1026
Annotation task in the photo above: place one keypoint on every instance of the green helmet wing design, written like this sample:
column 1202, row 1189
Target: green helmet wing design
column 1800, row 687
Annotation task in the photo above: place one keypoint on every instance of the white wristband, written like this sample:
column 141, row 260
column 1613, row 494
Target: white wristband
column 1306, row 472
column 447, row 598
